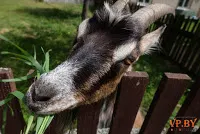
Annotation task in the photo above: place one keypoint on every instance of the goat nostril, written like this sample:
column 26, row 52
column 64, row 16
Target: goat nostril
column 41, row 98
column 36, row 97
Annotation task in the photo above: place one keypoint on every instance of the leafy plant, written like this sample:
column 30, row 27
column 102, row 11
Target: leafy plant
column 42, row 122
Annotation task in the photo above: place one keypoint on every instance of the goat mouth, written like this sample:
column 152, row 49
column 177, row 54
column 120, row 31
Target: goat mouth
column 48, row 105
column 51, row 106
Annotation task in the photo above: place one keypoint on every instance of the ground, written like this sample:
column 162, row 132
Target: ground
column 53, row 26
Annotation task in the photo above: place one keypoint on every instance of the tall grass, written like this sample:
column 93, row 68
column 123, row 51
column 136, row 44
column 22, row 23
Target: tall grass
column 36, row 124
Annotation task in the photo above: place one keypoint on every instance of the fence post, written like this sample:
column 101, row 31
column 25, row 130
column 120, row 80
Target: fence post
column 88, row 118
column 15, row 123
column 170, row 90
column 190, row 108
column 130, row 93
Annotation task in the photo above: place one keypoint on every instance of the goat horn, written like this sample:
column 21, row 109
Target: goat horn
column 120, row 4
column 151, row 13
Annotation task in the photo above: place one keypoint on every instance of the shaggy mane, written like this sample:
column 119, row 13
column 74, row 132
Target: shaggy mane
column 119, row 24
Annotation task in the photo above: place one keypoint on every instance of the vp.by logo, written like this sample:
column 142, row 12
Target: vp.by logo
column 182, row 123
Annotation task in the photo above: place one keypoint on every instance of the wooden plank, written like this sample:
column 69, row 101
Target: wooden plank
column 169, row 36
column 14, row 124
column 184, row 45
column 185, row 41
column 181, row 40
column 190, row 107
column 187, row 59
column 173, row 35
column 185, row 49
column 196, row 56
column 130, row 93
column 189, row 24
column 179, row 44
column 170, row 90
column 195, row 60
column 181, row 37
column 88, row 118
column 196, row 26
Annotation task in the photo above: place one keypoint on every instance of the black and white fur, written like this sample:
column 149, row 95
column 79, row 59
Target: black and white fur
column 97, row 59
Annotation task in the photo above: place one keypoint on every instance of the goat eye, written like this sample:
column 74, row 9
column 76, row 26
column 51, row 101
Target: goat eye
column 129, row 60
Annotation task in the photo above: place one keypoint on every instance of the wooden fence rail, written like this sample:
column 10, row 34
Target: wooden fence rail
column 170, row 90
column 129, row 96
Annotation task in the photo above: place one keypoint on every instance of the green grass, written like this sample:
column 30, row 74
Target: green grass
column 29, row 23
column 53, row 26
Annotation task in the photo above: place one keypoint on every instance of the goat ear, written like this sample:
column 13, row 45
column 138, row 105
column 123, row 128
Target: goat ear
column 150, row 41
column 82, row 27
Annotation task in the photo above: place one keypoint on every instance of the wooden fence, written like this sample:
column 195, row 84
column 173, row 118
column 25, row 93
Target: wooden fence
column 15, row 123
column 129, row 97
column 181, row 41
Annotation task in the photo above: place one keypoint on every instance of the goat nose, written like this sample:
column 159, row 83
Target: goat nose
column 41, row 95
column 40, row 98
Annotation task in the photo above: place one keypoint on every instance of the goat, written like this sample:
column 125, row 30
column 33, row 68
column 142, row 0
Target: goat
column 107, row 44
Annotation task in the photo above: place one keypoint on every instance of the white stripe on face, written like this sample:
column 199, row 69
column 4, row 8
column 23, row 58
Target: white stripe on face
column 123, row 51
column 62, row 77
column 112, row 14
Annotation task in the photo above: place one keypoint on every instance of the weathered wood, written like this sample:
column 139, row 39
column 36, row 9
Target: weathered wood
column 167, row 36
column 174, row 35
column 15, row 123
column 183, row 50
column 130, row 93
column 88, row 118
column 195, row 60
column 190, row 107
column 170, row 90
column 194, row 48
column 184, row 42
column 180, row 42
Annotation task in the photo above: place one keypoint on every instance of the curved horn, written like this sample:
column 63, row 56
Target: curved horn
column 120, row 4
column 151, row 13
